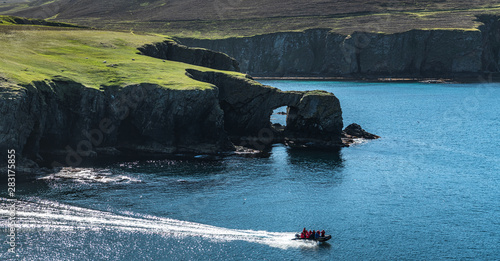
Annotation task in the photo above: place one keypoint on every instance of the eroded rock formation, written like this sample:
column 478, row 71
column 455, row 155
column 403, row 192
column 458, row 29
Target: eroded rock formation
column 170, row 50
column 314, row 117
column 316, row 121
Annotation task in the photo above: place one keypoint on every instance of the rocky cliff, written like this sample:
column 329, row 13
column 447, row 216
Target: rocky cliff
column 318, row 52
column 60, row 118
column 170, row 50
column 60, row 122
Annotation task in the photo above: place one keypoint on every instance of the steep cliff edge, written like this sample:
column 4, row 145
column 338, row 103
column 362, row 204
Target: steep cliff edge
column 318, row 52
column 68, row 120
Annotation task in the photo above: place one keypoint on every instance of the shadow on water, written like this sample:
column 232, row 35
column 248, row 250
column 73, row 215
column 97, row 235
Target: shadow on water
column 322, row 166
column 321, row 248
column 325, row 245
column 330, row 158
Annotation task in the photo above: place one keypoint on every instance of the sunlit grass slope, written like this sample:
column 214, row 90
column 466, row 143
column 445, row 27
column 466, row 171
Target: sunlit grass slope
column 90, row 57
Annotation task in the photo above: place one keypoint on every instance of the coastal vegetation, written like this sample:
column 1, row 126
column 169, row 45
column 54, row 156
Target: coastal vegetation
column 91, row 57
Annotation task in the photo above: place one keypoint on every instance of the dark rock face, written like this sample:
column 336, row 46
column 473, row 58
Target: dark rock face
column 75, row 122
column 491, row 42
column 313, row 117
column 170, row 121
column 278, row 53
column 317, row 117
column 317, row 52
column 16, row 121
column 170, row 50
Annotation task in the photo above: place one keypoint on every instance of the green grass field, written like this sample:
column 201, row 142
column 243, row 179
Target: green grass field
column 93, row 58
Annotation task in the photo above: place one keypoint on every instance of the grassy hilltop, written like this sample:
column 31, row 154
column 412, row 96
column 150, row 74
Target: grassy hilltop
column 32, row 51
column 226, row 18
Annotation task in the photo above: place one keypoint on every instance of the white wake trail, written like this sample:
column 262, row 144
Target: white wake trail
column 49, row 215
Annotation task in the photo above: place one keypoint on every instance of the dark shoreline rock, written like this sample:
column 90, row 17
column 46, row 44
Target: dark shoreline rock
column 353, row 132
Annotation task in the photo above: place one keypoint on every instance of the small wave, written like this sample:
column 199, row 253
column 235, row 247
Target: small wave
column 358, row 141
column 85, row 175
column 49, row 215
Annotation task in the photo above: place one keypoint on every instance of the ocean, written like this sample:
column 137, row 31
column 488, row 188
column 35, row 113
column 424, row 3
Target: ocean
column 428, row 189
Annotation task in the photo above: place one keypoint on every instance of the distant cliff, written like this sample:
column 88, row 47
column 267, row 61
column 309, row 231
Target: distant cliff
column 318, row 52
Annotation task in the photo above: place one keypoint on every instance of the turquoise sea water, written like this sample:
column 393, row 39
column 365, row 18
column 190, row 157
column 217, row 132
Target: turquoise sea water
column 427, row 190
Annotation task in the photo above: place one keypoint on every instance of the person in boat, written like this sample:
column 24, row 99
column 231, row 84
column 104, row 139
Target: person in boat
column 317, row 234
column 302, row 235
column 323, row 233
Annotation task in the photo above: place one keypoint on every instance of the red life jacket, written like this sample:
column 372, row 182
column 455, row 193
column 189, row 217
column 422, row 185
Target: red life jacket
column 322, row 233
column 302, row 235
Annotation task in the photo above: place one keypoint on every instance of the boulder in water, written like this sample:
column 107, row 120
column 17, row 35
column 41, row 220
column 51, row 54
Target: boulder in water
column 354, row 131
